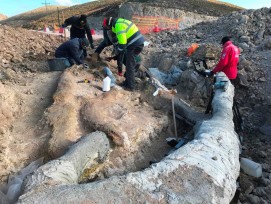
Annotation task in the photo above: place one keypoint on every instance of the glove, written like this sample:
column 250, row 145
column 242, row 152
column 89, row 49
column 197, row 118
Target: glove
column 63, row 26
column 120, row 71
column 92, row 46
column 209, row 73
column 85, row 65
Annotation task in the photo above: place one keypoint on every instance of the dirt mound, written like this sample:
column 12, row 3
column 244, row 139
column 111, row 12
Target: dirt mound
column 21, row 48
column 24, row 94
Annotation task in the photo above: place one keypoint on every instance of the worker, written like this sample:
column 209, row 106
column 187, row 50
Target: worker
column 130, row 45
column 72, row 51
column 79, row 29
column 109, row 39
column 228, row 59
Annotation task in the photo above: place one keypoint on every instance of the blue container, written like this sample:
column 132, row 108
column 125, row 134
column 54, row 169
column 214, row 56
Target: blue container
column 58, row 64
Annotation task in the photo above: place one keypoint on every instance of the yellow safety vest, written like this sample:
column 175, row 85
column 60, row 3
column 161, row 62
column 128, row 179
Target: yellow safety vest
column 124, row 30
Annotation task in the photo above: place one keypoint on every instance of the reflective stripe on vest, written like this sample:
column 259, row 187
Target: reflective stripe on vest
column 135, row 39
column 127, row 29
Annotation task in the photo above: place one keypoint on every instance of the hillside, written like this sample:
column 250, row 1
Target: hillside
column 212, row 8
column 30, row 16
column 2, row 17
column 37, row 21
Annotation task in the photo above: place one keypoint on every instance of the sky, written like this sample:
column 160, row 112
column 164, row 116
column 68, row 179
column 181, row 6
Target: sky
column 14, row 7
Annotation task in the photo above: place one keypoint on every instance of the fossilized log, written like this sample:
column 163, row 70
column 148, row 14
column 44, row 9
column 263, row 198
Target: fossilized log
column 67, row 169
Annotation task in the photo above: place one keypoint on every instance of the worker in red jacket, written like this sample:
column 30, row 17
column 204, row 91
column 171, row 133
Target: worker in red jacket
column 228, row 59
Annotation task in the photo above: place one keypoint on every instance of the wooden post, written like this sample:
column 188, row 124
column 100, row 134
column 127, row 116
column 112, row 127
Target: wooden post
column 64, row 31
column 174, row 119
column 58, row 17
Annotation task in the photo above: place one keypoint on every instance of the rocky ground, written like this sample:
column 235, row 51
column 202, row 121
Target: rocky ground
column 27, row 88
column 251, row 32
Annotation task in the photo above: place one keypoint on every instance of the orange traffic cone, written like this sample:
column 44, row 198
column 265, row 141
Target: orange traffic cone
column 156, row 29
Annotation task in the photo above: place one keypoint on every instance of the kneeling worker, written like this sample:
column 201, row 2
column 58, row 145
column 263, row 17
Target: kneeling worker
column 72, row 51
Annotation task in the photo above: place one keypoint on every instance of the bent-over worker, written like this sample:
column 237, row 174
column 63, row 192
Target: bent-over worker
column 72, row 50
column 130, row 44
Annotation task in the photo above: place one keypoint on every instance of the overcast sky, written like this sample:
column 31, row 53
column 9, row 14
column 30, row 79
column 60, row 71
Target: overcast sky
column 14, row 7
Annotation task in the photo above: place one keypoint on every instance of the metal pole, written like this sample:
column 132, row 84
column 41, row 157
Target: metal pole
column 63, row 20
column 45, row 3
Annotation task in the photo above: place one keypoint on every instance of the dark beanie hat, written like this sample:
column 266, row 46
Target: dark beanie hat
column 83, row 17
column 225, row 39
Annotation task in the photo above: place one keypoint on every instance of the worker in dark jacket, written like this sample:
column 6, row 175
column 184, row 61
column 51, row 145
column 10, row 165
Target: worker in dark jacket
column 72, row 50
column 130, row 44
column 79, row 28
column 109, row 39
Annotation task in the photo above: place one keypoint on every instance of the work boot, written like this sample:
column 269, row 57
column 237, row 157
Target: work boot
column 126, row 87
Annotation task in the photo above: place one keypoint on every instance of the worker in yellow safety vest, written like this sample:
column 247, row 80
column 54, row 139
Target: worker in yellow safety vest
column 130, row 45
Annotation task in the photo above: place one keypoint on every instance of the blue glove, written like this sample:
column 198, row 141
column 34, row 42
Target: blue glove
column 63, row 25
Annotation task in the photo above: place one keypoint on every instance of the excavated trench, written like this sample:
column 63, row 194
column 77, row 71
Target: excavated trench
column 209, row 164
column 136, row 126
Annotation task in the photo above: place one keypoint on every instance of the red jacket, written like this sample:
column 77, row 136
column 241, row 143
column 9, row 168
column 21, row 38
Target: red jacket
column 228, row 60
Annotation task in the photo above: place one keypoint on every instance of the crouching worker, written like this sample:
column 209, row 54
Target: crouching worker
column 72, row 51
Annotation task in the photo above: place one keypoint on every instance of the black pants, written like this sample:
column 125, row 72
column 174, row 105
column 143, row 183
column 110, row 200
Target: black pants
column 130, row 62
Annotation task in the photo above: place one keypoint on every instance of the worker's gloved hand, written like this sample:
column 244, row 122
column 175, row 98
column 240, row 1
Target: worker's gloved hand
column 63, row 26
column 208, row 73
column 120, row 71
column 92, row 46
column 85, row 65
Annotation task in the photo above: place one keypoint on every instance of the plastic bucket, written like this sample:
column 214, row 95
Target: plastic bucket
column 251, row 168
column 106, row 84
column 58, row 64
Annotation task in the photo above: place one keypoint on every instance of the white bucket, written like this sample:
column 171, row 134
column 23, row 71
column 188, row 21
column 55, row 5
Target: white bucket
column 251, row 168
column 106, row 84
